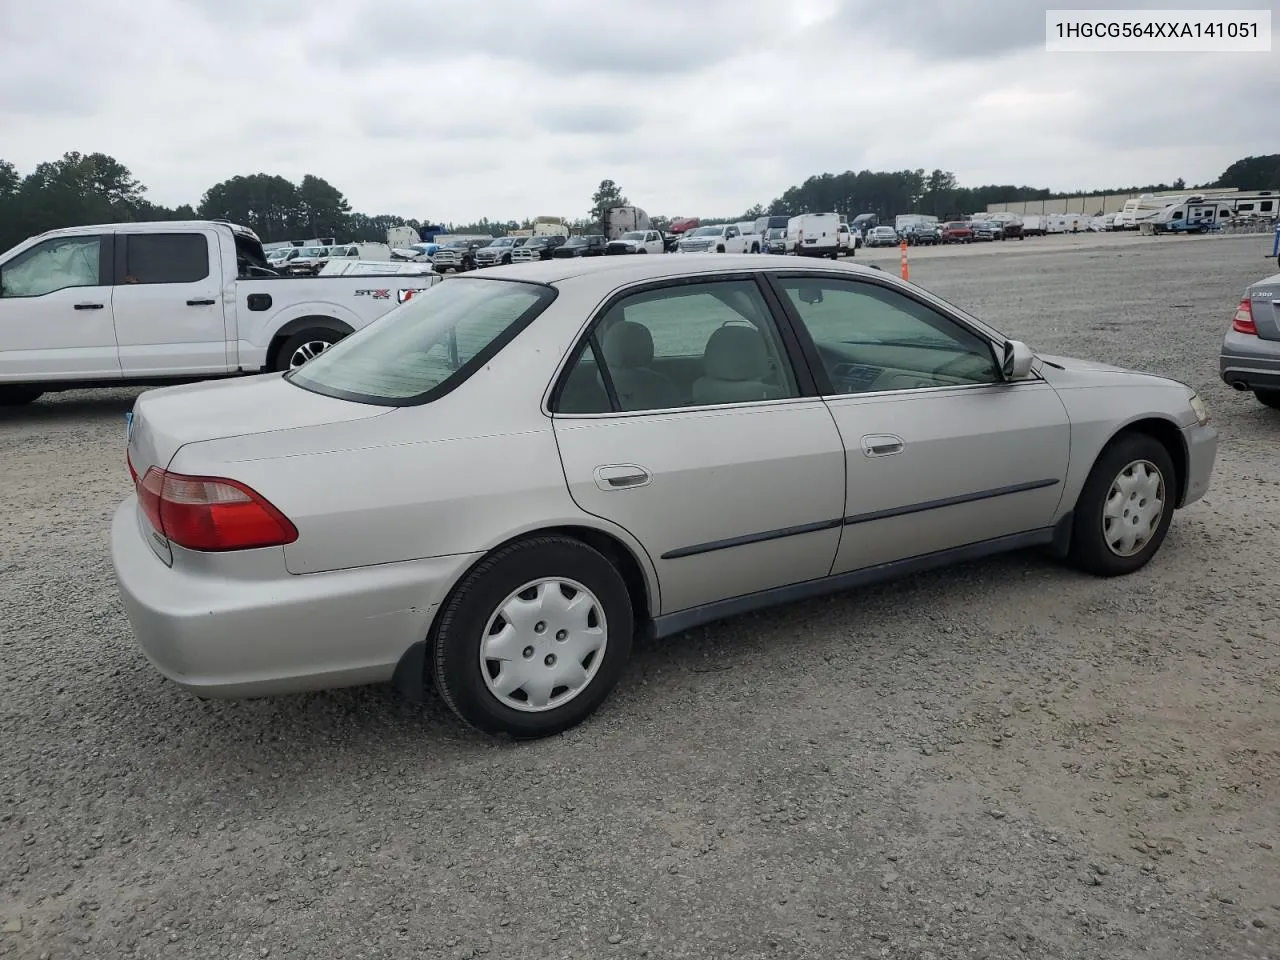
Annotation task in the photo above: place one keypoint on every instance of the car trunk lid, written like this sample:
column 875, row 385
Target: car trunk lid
column 165, row 420
column 1264, row 299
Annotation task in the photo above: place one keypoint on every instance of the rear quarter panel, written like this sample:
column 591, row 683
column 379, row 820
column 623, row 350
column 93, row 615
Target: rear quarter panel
column 459, row 475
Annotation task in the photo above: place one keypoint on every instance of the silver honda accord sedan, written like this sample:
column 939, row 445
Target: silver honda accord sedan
column 494, row 488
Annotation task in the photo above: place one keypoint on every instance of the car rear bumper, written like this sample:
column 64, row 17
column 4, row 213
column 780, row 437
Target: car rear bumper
column 1202, row 451
column 222, row 625
column 1249, row 362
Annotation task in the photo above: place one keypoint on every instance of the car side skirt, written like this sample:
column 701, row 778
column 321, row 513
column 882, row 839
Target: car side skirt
column 1057, row 537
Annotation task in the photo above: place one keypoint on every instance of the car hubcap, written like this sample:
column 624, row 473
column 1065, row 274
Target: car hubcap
column 1133, row 508
column 544, row 645
column 308, row 351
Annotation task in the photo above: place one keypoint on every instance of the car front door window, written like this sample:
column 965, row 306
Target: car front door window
column 869, row 338
column 689, row 345
column 51, row 266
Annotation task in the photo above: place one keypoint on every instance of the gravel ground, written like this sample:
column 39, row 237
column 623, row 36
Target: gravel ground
column 1003, row 760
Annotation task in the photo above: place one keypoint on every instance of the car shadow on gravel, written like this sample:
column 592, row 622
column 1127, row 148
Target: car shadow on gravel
column 72, row 410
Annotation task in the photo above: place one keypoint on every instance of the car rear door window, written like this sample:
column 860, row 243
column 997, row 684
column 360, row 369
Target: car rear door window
column 165, row 257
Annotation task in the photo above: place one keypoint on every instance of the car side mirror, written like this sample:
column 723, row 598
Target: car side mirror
column 1016, row 361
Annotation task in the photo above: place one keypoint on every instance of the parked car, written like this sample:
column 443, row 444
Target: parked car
column 985, row 230
column 713, row 238
column 920, row 234
column 358, row 251
column 957, row 231
column 848, row 240
column 308, row 261
column 499, row 251
column 815, row 234
column 776, row 242
column 458, row 255
column 589, row 245
column 277, row 257
column 637, row 241
column 282, row 538
column 537, row 248
column 882, row 237
column 1012, row 227
column 1250, row 355
column 167, row 302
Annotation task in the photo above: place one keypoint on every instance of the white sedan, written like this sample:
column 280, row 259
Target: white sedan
column 491, row 489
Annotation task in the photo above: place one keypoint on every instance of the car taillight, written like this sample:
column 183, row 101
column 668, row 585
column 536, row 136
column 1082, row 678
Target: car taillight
column 1242, row 322
column 210, row 513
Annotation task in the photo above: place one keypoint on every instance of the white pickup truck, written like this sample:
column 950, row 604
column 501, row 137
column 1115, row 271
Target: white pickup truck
column 155, row 303
column 722, row 238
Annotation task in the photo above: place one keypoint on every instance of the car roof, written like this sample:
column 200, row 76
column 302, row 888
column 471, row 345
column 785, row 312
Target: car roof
column 639, row 269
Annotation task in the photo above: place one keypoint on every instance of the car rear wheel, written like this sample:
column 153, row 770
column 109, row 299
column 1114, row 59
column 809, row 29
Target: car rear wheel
column 1125, row 508
column 533, row 639
column 1270, row 398
column 19, row 396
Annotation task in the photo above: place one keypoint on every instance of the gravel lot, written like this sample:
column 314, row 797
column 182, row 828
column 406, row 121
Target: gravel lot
column 1003, row 760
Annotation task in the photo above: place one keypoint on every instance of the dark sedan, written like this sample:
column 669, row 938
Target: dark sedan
column 592, row 245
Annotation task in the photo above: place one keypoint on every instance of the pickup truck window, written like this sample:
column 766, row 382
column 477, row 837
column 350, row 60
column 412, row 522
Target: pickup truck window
column 427, row 347
column 53, row 265
column 165, row 257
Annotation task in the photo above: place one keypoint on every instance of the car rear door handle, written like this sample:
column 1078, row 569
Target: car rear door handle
column 201, row 303
column 881, row 444
column 88, row 306
column 621, row 476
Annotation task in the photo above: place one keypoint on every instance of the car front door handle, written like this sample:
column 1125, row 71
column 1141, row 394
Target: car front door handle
column 882, row 445
column 621, row 476
column 89, row 306
column 201, row 303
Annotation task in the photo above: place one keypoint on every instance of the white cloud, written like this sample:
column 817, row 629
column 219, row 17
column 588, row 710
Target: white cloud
column 506, row 109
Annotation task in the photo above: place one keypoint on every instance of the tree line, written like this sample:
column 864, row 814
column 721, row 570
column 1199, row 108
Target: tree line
column 80, row 189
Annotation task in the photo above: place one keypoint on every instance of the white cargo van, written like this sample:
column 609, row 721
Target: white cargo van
column 816, row 234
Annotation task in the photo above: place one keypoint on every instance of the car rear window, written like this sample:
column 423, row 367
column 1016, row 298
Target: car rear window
column 428, row 346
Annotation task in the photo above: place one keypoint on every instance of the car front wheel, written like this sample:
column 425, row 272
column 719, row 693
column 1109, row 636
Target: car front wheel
column 1125, row 508
column 533, row 639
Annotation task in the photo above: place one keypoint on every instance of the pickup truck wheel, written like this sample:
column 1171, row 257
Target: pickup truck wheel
column 304, row 346
column 18, row 396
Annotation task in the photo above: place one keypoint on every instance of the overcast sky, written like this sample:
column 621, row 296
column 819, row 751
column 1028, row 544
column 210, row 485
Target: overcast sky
column 505, row 109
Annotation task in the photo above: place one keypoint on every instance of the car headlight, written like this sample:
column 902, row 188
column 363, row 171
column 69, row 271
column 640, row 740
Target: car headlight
column 1198, row 408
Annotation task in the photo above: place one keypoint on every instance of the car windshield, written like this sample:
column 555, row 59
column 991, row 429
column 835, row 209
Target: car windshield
column 777, row 233
column 427, row 346
column 634, row 235
column 502, row 242
column 707, row 232
column 576, row 242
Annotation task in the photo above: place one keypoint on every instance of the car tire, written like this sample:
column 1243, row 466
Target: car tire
column 301, row 344
column 472, row 686
column 19, row 396
column 1268, row 398
column 1120, row 497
